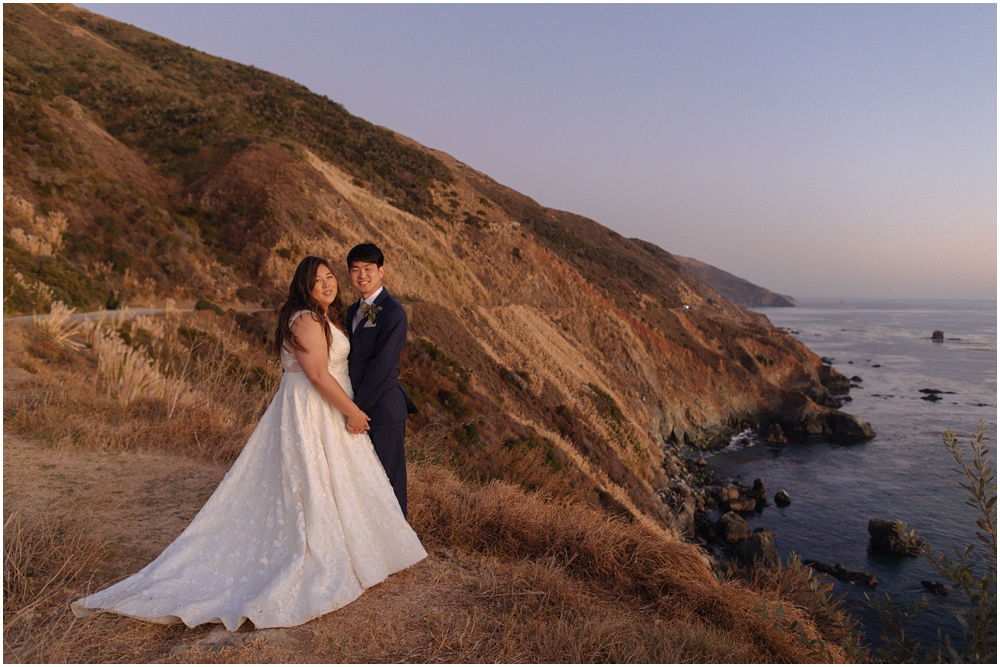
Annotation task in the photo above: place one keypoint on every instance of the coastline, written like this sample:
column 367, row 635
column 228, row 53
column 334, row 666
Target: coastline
column 904, row 473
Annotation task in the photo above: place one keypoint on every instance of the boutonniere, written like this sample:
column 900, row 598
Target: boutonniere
column 370, row 311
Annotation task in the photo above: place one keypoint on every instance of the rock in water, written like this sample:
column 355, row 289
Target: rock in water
column 776, row 436
column 743, row 505
column 729, row 492
column 938, row 336
column 889, row 537
column 782, row 499
column 732, row 528
column 935, row 587
column 842, row 573
column 759, row 491
column 931, row 394
column 759, row 548
column 849, row 425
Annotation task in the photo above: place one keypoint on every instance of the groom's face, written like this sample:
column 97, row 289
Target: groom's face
column 366, row 277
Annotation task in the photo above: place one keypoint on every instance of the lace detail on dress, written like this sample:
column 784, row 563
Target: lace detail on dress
column 301, row 525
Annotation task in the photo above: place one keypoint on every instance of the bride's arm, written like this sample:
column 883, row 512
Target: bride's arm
column 312, row 358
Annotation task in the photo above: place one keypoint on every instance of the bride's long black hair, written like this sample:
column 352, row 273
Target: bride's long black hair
column 300, row 298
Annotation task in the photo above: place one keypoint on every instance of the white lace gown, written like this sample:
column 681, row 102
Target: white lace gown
column 301, row 525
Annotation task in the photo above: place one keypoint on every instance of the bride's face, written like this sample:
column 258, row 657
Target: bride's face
column 325, row 288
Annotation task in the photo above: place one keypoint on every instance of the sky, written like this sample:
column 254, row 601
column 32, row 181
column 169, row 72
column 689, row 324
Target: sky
column 816, row 150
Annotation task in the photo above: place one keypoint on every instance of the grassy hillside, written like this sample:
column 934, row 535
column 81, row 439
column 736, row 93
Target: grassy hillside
column 518, row 572
column 734, row 288
column 160, row 172
column 555, row 363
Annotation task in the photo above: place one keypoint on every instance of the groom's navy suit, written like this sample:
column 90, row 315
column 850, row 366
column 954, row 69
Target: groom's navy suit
column 373, row 365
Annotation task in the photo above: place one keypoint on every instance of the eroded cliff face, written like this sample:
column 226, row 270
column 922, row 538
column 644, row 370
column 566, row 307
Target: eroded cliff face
column 529, row 326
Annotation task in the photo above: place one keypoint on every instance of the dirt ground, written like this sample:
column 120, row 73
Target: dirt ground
column 140, row 502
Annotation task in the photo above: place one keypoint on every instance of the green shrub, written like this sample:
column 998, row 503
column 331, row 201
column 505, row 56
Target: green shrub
column 475, row 221
column 205, row 304
column 68, row 283
column 606, row 405
column 979, row 623
column 973, row 571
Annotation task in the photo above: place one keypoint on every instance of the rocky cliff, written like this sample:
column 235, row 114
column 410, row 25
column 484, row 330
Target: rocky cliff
column 739, row 291
column 536, row 335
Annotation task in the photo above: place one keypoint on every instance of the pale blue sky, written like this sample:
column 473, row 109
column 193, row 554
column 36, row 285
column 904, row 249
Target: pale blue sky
column 817, row 150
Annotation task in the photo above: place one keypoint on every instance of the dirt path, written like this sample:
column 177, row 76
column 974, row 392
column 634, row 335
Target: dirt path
column 126, row 313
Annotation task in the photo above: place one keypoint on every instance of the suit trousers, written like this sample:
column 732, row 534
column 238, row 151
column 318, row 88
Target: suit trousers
column 388, row 440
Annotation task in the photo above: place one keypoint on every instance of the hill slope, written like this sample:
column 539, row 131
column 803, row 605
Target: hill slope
column 741, row 292
column 538, row 337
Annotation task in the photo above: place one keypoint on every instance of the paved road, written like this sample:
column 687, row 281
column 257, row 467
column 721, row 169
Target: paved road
column 127, row 313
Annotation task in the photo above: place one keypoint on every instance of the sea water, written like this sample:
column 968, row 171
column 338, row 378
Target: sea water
column 904, row 472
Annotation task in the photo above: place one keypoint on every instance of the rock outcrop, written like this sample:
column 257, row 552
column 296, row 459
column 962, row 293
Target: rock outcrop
column 759, row 549
column 890, row 537
column 839, row 571
column 732, row 528
column 776, row 436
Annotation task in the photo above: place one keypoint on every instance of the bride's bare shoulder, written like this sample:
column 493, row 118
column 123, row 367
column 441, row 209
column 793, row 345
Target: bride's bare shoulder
column 297, row 318
column 305, row 323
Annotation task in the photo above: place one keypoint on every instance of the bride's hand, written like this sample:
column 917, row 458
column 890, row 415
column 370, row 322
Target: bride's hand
column 358, row 423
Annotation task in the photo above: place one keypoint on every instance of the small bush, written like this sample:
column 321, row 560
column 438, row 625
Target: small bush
column 475, row 221
column 973, row 571
column 205, row 304
column 606, row 405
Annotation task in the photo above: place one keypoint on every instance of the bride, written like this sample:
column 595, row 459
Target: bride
column 305, row 520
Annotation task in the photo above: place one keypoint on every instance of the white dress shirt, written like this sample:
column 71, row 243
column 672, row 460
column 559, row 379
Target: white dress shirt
column 358, row 316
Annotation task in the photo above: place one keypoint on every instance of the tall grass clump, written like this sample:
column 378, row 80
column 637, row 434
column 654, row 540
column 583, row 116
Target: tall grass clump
column 191, row 384
column 41, row 235
column 36, row 294
column 49, row 559
column 60, row 326
column 128, row 374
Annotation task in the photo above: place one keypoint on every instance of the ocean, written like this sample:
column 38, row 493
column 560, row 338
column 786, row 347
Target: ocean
column 904, row 472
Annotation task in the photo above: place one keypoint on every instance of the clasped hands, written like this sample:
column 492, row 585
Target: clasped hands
column 358, row 424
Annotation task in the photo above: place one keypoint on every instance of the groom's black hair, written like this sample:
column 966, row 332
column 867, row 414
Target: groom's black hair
column 365, row 252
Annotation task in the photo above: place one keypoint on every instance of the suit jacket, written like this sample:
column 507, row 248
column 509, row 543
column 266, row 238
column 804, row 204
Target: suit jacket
column 373, row 363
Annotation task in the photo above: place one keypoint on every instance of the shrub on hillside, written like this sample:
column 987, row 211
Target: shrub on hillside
column 973, row 571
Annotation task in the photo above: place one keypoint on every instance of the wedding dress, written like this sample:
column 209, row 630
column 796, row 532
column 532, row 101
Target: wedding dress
column 301, row 525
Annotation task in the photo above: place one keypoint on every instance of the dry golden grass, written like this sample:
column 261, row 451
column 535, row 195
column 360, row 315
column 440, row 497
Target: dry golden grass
column 622, row 559
column 48, row 559
column 513, row 576
column 41, row 234
column 510, row 578
column 194, row 386
column 60, row 326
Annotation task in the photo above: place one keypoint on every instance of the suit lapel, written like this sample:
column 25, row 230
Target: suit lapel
column 381, row 297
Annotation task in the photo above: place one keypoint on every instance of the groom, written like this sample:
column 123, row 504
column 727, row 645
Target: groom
column 377, row 327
